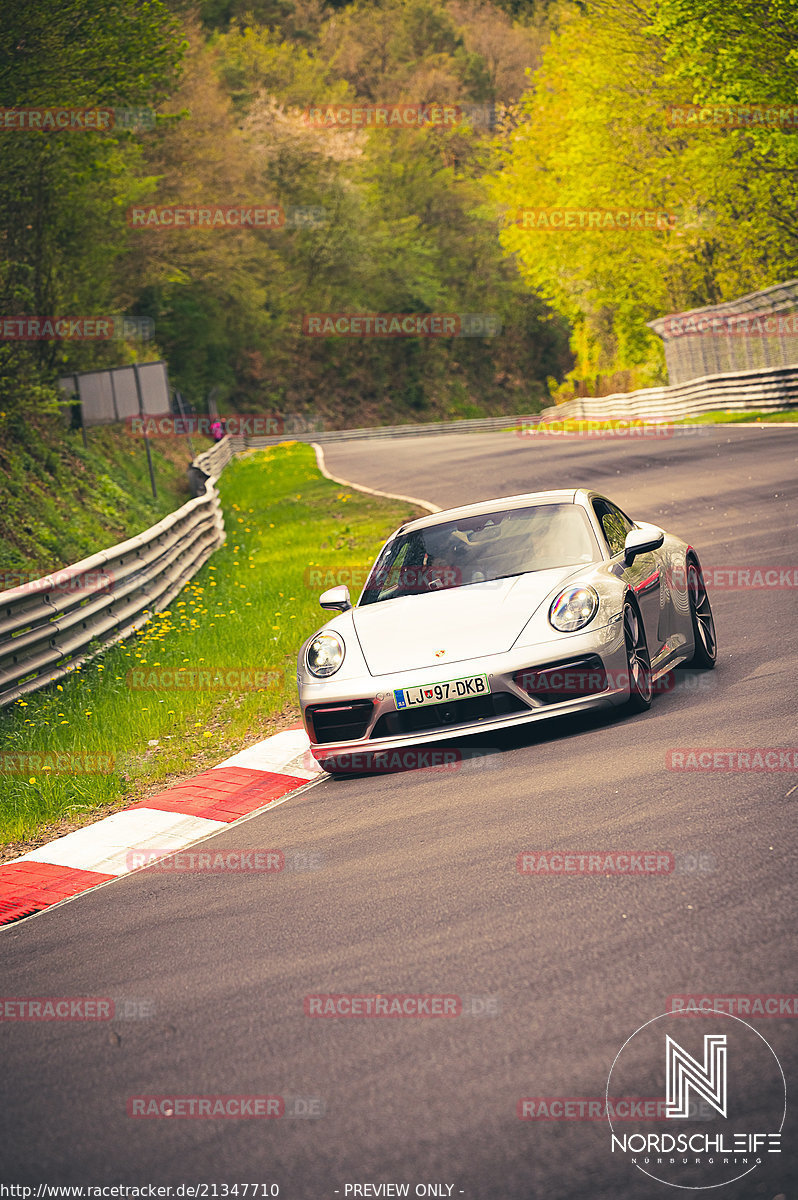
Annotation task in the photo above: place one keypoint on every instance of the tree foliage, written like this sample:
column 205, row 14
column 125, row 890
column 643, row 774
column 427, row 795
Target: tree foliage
column 595, row 132
column 406, row 220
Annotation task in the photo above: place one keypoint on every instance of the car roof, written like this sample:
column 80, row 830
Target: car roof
column 524, row 500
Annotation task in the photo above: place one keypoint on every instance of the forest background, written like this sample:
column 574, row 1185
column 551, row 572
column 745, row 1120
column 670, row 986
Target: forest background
column 420, row 219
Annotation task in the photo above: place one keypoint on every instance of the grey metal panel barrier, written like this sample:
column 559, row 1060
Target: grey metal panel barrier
column 123, row 386
column 112, row 395
column 96, row 399
column 154, row 388
column 756, row 331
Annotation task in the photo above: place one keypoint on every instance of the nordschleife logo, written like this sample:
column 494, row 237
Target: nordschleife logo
column 685, row 1074
column 718, row 1066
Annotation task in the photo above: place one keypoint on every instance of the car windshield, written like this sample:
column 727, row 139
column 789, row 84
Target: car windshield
column 476, row 549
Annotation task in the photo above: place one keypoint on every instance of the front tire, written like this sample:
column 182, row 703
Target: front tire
column 705, row 654
column 638, row 660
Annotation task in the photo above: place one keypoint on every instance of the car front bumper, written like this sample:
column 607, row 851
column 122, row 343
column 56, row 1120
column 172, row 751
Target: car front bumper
column 605, row 644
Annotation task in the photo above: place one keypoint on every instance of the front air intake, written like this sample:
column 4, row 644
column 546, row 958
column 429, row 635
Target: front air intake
column 346, row 721
column 557, row 682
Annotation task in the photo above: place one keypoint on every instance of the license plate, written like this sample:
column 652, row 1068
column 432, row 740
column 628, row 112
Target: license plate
column 440, row 693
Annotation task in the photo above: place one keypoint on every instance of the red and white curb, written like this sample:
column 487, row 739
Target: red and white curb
column 171, row 820
column 167, row 822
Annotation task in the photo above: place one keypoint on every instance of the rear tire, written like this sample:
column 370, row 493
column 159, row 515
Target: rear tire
column 638, row 660
column 705, row 654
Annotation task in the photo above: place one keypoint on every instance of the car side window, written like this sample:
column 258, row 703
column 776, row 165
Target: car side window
column 615, row 524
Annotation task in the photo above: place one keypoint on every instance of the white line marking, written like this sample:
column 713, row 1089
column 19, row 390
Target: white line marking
column 359, row 487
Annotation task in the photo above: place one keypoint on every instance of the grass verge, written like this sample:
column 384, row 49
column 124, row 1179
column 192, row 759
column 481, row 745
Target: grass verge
column 213, row 673
column 785, row 416
column 788, row 416
column 61, row 502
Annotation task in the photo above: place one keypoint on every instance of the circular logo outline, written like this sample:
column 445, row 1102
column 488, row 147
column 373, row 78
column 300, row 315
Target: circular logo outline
column 709, row 1012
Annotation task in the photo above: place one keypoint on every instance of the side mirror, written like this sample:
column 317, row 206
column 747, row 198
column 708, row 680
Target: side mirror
column 336, row 598
column 640, row 541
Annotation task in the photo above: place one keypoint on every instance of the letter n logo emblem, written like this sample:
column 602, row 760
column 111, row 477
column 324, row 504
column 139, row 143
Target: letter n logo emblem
column 683, row 1072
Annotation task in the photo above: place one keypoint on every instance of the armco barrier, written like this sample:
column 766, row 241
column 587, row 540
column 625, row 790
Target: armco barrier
column 760, row 391
column 212, row 462
column 52, row 625
column 757, row 391
column 484, row 424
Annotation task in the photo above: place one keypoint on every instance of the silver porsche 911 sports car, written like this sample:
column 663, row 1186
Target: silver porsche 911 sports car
column 490, row 615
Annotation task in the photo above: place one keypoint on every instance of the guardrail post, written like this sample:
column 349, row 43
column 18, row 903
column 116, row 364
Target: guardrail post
column 144, row 430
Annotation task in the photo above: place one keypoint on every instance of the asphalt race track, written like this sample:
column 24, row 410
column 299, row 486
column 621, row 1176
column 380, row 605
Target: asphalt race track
column 416, row 891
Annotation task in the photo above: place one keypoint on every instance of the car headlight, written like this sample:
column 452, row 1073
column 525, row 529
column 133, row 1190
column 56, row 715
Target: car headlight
column 574, row 608
column 325, row 654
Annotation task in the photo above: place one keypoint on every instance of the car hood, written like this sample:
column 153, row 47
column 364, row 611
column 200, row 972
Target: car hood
column 465, row 622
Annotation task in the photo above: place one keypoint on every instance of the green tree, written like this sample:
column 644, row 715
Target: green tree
column 594, row 132
column 62, row 193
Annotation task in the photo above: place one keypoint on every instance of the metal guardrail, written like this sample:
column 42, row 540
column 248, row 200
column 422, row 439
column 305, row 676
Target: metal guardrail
column 51, row 626
column 386, row 431
column 213, row 461
column 759, row 391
